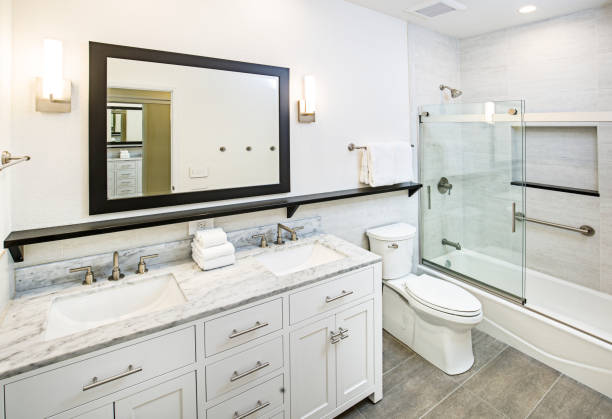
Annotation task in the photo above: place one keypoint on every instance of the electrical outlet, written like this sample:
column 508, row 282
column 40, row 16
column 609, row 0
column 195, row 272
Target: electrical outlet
column 201, row 225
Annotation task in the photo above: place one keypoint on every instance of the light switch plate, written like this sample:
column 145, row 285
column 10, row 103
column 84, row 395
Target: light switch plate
column 201, row 225
column 198, row 172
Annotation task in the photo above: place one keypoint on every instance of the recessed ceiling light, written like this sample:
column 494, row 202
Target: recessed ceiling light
column 530, row 8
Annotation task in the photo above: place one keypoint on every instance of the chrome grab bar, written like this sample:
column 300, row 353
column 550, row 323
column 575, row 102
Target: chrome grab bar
column 344, row 293
column 257, row 367
column 257, row 408
column 258, row 325
column 96, row 383
column 583, row 229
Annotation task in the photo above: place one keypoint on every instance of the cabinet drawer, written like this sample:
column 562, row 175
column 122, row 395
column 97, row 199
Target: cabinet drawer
column 126, row 174
column 126, row 183
column 125, row 165
column 243, row 368
column 126, row 191
column 242, row 326
column 315, row 300
column 255, row 402
column 71, row 385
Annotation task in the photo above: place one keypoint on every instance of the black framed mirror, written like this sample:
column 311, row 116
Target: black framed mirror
column 169, row 129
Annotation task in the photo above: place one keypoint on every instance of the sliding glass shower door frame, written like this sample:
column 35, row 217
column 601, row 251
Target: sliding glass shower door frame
column 506, row 114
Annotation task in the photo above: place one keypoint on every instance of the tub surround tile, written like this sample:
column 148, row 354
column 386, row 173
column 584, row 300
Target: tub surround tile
column 22, row 330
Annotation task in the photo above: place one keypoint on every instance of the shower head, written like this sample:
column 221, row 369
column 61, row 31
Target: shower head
column 455, row 93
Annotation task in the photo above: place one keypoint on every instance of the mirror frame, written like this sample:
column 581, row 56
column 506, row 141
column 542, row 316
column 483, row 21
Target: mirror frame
column 98, row 200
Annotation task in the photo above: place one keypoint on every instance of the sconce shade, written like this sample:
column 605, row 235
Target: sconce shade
column 53, row 93
column 307, row 107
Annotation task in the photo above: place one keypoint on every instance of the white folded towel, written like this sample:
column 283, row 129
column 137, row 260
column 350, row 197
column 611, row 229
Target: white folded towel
column 210, row 238
column 213, row 252
column 386, row 163
column 215, row 263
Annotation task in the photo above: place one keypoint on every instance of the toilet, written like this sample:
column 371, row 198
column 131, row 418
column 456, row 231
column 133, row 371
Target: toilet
column 432, row 316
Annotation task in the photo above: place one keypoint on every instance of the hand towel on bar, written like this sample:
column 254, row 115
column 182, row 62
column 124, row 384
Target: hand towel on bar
column 207, row 265
column 210, row 238
column 386, row 163
column 213, row 252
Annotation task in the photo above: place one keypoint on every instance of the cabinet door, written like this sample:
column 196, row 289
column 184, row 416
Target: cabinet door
column 313, row 370
column 355, row 351
column 175, row 399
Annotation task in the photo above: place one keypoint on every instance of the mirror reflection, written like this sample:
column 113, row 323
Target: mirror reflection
column 173, row 129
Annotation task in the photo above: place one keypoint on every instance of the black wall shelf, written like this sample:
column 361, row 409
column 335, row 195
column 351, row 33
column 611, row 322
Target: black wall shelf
column 17, row 239
column 566, row 189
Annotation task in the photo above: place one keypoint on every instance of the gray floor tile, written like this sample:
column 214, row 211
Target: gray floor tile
column 463, row 404
column 352, row 413
column 410, row 390
column 513, row 383
column 570, row 399
column 394, row 352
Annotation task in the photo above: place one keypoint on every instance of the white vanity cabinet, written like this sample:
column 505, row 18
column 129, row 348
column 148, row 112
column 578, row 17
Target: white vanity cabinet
column 311, row 352
column 124, row 178
column 331, row 361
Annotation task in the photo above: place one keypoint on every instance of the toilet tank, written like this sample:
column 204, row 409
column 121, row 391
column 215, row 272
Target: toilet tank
column 395, row 244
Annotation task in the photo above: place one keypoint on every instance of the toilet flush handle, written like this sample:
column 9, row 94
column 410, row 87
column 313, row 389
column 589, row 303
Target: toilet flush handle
column 393, row 246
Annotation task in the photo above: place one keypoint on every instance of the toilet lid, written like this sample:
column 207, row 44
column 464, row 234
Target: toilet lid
column 442, row 295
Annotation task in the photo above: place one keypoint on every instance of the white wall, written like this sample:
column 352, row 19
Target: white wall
column 5, row 135
column 358, row 56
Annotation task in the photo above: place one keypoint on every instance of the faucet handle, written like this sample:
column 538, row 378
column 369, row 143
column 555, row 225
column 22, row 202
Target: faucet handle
column 142, row 266
column 89, row 276
column 294, row 236
column 264, row 240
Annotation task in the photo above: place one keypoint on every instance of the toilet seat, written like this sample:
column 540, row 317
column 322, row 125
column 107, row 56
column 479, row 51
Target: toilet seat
column 437, row 294
column 442, row 295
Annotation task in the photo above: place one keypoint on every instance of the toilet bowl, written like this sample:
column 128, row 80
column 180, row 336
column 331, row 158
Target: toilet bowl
column 432, row 316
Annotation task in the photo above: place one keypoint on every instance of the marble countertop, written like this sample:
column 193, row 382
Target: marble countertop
column 22, row 330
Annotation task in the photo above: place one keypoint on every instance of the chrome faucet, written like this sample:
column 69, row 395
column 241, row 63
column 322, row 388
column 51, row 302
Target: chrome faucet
column 456, row 245
column 116, row 275
column 293, row 231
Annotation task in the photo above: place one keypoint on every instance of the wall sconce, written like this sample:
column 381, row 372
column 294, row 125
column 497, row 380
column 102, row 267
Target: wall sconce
column 306, row 107
column 53, row 93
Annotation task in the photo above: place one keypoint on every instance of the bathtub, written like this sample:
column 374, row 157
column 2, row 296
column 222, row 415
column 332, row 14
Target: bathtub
column 540, row 328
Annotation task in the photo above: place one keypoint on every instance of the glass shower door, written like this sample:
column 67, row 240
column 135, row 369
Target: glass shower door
column 472, row 171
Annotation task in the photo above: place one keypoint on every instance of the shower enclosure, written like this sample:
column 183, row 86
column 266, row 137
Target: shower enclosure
column 472, row 170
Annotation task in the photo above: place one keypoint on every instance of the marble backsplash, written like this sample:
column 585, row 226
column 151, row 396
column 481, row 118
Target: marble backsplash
column 55, row 273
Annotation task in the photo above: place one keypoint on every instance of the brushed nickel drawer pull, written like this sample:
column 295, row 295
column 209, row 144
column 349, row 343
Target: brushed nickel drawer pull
column 258, row 325
column 393, row 246
column 257, row 367
column 343, row 333
column 344, row 293
column 95, row 382
column 257, row 408
column 334, row 337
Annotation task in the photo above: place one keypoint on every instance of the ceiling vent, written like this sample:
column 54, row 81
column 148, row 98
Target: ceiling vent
column 437, row 8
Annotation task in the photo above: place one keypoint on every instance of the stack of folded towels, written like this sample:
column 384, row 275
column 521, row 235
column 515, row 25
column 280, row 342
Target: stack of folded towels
column 210, row 249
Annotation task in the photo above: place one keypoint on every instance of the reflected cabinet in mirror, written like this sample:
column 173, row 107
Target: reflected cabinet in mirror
column 171, row 129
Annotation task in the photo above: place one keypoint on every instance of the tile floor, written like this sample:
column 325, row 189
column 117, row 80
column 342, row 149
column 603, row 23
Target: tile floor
column 503, row 383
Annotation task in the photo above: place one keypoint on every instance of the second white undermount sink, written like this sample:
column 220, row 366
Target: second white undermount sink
column 87, row 310
column 298, row 258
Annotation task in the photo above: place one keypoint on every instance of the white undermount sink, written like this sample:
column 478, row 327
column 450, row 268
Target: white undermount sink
column 298, row 258
column 85, row 311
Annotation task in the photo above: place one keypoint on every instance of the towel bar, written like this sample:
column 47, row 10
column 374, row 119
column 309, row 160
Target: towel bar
column 352, row 146
column 7, row 160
